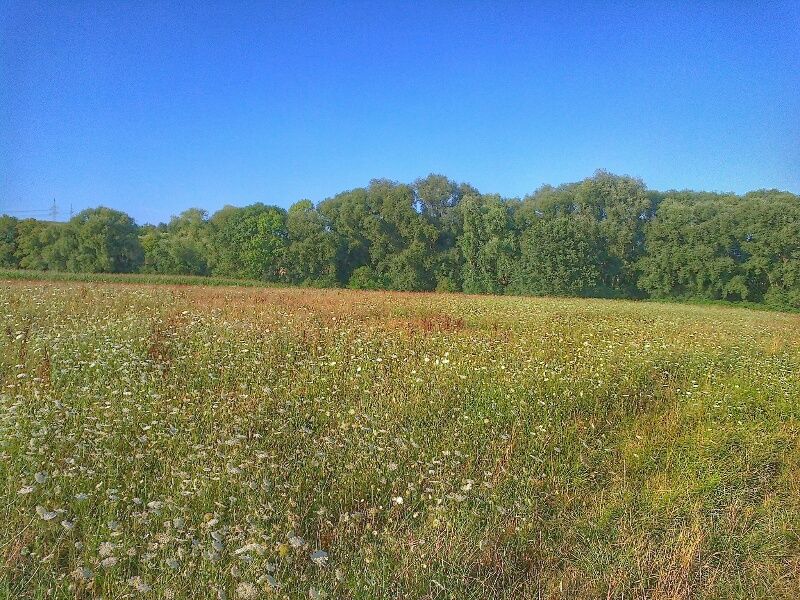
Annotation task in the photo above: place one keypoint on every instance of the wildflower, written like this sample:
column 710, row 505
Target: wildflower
column 46, row 515
column 82, row 573
column 319, row 558
column 27, row 489
column 139, row 584
column 40, row 477
column 257, row 548
column 246, row 591
column 212, row 555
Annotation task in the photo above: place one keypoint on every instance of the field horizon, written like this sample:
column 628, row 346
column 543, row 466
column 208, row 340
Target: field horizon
column 21, row 276
column 164, row 441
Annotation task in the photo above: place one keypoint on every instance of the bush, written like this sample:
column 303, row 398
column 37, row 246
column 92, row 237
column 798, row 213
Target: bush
column 364, row 278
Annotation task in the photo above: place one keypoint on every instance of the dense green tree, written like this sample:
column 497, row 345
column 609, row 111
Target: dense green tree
column 438, row 199
column 769, row 230
column 379, row 227
column 364, row 278
column 8, row 242
column 180, row 247
column 101, row 240
column 606, row 235
column 560, row 256
column 402, row 246
column 487, row 244
column 621, row 206
column 248, row 242
column 312, row 246
column 348, row 214
column 436, row 196
column 713, row 246
column 45, row 245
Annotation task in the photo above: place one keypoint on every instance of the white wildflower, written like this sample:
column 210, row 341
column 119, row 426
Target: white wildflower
column 246, row 590
column 47, row 515
column 247, row 548
column 295, row 541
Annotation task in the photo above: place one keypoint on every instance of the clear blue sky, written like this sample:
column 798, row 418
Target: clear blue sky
column 153, row 107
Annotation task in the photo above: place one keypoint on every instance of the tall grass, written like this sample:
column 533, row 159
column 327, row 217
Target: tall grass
column 197, row 442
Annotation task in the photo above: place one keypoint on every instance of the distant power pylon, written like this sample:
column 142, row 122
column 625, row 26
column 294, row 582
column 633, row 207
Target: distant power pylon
column 54, row 211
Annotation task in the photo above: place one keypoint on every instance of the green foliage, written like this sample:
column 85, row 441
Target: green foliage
column 181, row 247
column 248, row 242
column 604, row 236
column 487, row 245
column 714, row 246
column 364, row 278
column 312, row 246
column 98, row 240
column 39, row 245
column 8, row 242
column 562, row 256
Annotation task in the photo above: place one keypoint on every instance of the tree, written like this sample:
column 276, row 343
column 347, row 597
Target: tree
column 248, row 242
column 43, row 245
column 487, row 245
column 560, row 256
column 181, row 247
column 364, row 278
column 101, row 240
column 621, row 206
column 312, row 246
column 347, row 215
column 606, row 235
column 436, row 196
column 8, row 242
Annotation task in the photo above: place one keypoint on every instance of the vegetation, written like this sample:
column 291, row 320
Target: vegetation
column 606, row 236
column 188, row 442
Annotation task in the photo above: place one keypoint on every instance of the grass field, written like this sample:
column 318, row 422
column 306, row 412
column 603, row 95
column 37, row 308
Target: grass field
column 197, row 442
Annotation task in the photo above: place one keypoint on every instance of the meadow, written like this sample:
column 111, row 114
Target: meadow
column 198, row 442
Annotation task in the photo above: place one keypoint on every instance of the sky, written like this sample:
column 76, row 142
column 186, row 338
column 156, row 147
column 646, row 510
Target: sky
column 153, row 107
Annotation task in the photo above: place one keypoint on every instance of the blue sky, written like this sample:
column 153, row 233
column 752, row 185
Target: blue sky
column 153, row 107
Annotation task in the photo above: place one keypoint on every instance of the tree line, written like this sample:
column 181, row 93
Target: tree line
column 605, row 236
